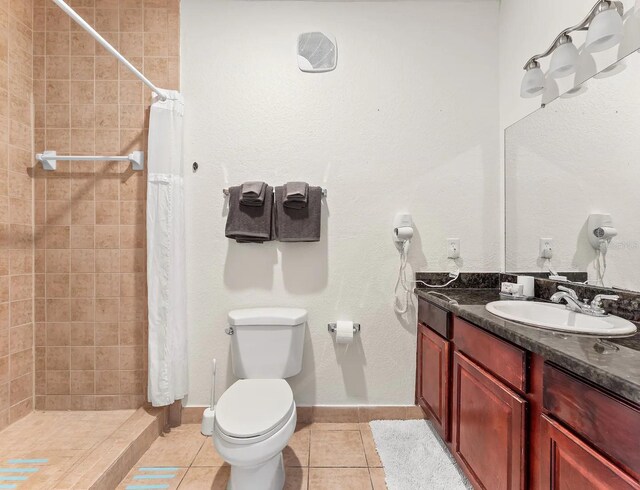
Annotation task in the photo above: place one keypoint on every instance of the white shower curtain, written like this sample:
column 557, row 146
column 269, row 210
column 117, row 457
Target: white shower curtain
column 168, row 368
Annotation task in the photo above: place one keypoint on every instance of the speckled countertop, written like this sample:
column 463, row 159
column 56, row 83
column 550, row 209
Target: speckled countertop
column 613, row 364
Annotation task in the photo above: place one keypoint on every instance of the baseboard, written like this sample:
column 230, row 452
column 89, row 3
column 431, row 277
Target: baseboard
column 333, row 414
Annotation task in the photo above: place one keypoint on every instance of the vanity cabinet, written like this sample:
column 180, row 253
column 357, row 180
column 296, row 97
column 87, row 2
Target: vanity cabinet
column 433, row 381
column 570, row 463
column 515, row 421
column 488, row 427
column 434, row 366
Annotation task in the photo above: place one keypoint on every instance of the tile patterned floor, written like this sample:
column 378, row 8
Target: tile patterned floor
column 39, row 450
column 320, row 456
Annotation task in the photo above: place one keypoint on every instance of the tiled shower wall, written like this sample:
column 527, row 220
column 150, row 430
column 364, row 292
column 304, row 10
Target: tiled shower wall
column 90, row 289
column 16, row 211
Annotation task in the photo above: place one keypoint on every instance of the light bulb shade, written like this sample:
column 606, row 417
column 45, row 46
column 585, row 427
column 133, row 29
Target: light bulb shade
column 575, row 91
column 564, row 61
column 605, row 31
column 532, row 83
column 612, row 70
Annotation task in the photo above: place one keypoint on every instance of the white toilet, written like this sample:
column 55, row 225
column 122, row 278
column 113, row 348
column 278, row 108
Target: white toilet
column 256, row 416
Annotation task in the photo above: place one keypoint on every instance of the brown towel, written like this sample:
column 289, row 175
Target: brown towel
column 249, row 224
column 298, row 225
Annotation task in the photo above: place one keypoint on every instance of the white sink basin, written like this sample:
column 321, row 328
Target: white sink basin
column 559, row 318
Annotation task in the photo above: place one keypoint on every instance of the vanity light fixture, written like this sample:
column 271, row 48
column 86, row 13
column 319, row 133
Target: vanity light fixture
column 564, row 60
column 533, row 81
column 604, row 30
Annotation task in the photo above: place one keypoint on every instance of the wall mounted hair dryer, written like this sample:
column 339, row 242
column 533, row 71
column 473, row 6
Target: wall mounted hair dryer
column 402, row 235
column 402, row 231
column 600, row 232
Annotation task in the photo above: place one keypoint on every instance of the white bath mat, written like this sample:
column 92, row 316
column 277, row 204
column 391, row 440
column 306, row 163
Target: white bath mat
column 414, row 457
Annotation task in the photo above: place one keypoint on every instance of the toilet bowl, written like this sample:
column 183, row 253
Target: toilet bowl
column 256, row 416
column 254, row 420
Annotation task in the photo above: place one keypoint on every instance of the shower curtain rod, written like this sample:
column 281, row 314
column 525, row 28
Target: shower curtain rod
column 74, row 15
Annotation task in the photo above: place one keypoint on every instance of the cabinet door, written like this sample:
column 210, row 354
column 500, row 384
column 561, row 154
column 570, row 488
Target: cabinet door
column 568, row 463
column 433, row 378
column 488, row 427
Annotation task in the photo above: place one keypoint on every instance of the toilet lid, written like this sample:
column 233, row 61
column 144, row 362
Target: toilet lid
column 252, row 407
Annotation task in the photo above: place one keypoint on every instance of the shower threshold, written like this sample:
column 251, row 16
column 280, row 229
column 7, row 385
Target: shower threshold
column 75, row 449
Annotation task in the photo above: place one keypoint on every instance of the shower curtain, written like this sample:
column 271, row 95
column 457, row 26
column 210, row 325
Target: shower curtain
column 168, row 369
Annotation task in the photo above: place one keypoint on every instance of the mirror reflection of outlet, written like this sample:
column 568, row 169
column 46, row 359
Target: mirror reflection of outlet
column 546, row 248
column 453, row 248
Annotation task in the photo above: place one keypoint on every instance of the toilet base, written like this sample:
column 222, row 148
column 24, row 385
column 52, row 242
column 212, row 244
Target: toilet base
column 266, row 476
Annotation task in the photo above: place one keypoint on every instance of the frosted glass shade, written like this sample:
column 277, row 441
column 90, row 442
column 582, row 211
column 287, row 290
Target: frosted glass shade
column 532, row 83
column 575, row 91
column 564, row 61
column 605, row 31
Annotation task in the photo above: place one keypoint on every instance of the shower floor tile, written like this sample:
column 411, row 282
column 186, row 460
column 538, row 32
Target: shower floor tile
column 56, row 449
column 319, row 456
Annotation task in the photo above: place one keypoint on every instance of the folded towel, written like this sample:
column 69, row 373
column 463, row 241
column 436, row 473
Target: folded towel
column 298, row 225
column 249, row 224
column 253, row 193
column 296, row 195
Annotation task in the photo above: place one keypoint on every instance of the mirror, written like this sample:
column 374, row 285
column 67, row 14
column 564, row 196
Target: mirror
column 572, row 175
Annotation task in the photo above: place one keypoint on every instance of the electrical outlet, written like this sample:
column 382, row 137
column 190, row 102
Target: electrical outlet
column 453, row 248
column 545, row 248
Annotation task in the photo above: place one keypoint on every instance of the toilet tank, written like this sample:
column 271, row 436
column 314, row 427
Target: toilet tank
column 267, row 342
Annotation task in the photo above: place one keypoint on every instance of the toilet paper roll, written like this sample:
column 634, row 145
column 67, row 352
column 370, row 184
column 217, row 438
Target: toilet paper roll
column 344, row 332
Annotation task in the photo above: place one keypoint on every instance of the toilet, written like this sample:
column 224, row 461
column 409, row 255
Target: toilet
column 256, row 416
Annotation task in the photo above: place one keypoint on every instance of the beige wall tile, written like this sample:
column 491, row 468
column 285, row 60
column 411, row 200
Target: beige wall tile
column 58, row 358
column 90, row 237
column 82, row 382
column 106, row 334
column 82, row 334
column 20, row 389
column 82, row 358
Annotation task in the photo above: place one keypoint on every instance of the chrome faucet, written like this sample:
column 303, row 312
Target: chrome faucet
column 574, row 304
column 570, row 297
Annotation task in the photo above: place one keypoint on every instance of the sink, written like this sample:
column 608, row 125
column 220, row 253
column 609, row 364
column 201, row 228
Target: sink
column 557, row 317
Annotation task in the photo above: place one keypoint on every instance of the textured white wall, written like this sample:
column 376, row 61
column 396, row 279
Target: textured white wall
column 399, row 125
column 576, row 157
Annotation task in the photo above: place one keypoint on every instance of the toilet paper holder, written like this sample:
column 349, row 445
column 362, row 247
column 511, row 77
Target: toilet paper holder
column 331, row 327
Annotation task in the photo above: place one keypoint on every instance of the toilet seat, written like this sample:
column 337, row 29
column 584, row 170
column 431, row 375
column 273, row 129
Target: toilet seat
column 252, row 410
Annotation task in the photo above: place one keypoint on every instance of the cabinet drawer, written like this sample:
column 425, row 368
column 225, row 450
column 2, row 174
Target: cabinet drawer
column 503, row 359
column 612, row 425
column 568, row 462
column 434, row 317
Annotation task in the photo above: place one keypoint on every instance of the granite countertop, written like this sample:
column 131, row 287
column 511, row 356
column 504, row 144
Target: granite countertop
column 613, row 364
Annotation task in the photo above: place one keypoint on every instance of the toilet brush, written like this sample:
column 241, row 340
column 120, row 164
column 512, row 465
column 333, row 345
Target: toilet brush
column 208, row 417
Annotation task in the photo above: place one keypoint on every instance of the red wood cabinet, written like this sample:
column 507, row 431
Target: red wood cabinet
column 569, row 463
column 433, row 378
column 514, row 421
column 488, row 421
